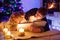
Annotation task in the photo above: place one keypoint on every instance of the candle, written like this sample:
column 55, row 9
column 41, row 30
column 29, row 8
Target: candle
column 21, row 32
column 21, row 27
column 8, row 34
column 5, row 30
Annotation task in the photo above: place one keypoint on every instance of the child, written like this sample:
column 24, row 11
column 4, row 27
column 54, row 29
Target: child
column 14, row 19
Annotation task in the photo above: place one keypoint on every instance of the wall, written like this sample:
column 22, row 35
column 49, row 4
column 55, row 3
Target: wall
column 29, row 4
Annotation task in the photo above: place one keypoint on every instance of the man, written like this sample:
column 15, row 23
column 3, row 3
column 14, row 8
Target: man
column 41, row 24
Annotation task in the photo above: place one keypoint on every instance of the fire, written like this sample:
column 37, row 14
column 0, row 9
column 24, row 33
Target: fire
column 51, row 6
column 8, row 33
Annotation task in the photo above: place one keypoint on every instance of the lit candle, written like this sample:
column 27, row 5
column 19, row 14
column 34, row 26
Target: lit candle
column 21, row 32
column 8, row 34
column 5, row 30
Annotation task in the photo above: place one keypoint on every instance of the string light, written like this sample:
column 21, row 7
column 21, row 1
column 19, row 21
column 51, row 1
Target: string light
column 8, row 13
column 11, row 6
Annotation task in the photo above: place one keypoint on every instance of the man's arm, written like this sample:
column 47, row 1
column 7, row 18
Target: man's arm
column 38, row 24
column 34, row 29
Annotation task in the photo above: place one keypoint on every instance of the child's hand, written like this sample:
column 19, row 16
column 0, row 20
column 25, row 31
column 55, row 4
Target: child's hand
column 34, row 29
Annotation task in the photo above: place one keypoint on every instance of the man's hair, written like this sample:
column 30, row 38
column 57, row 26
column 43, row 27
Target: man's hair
column 31, row 12
column 42, row 11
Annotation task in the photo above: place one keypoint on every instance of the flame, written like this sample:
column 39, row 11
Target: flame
column 51, row 6
column 5, row 30
column 21, row 30
column 8, row 33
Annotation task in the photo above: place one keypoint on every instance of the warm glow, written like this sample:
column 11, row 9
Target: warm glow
column 51, row 6
column 32, row 18
column 24, row 26
column 20, row 26
column 5, row 30
column 8, row 33
column 21, row 30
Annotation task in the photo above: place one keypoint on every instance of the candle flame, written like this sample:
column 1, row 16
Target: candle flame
column 5, row 30
column 8, row 33
column 21, row 30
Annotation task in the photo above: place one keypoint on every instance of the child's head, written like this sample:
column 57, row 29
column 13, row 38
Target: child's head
column 16, row 17
column 41, row 12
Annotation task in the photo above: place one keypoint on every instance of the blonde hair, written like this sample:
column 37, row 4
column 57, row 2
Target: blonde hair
column 16, row 15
